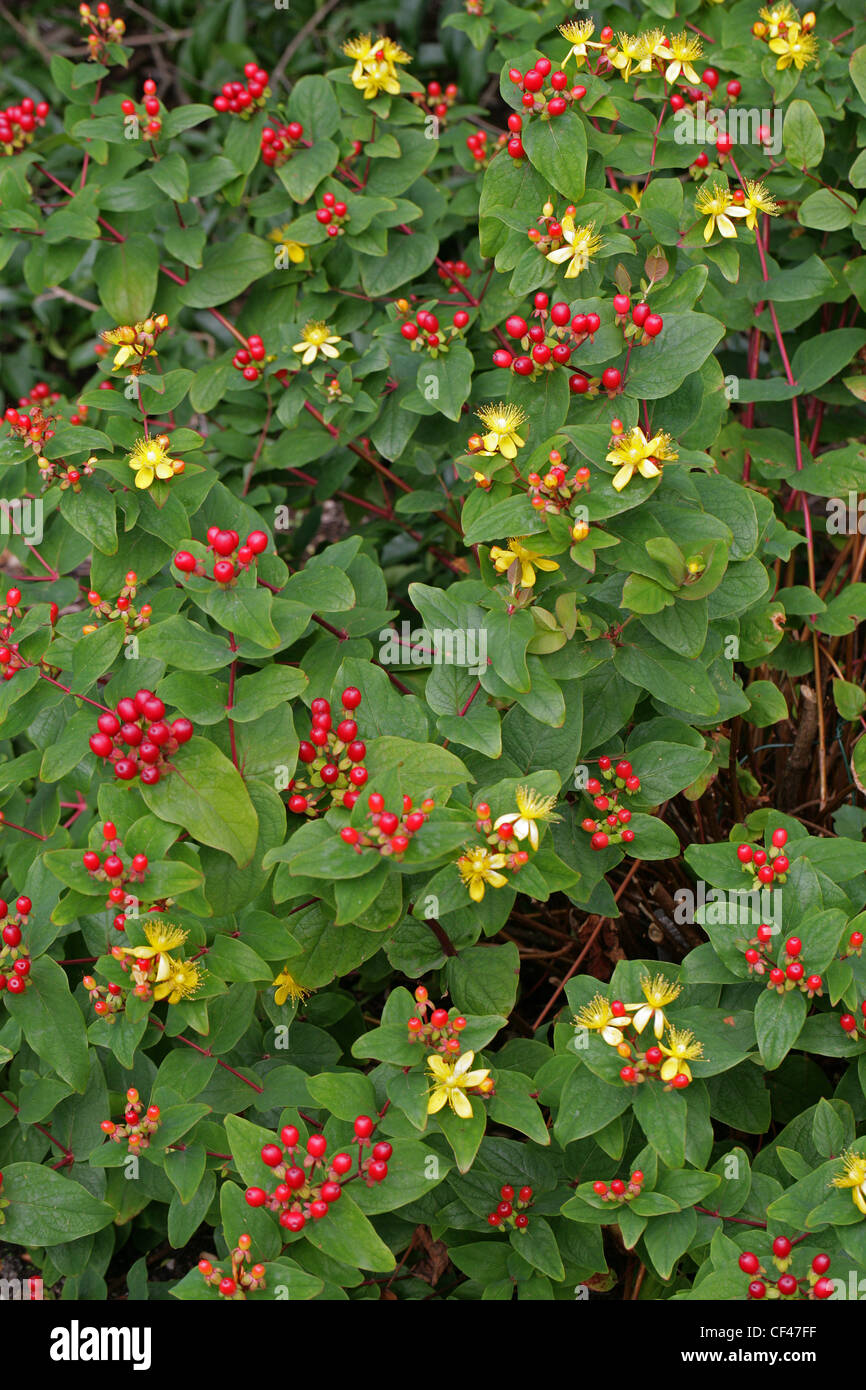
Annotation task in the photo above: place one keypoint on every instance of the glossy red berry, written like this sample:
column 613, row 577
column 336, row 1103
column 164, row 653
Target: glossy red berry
column 351, row 697
column 363, row 1127
column 757, row 1289
column 316, row 1145
column 611, row 378
column 272, row 1155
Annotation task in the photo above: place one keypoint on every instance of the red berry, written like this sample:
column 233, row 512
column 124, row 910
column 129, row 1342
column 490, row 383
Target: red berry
column 611, row 378
column 639, row 314
column 653, row 325
column 821, row 1264
column 795, row 971
column 600, row 1189
column 733, row 88
column 781, row 864
column 621, row 303
column 711, row 77
column 782, row 1247
column 363, row 1126
column 849, row 1023
column 744, row 854
column 12, row 935
column 351, row 697
column 765, row 873
column 793, row 946
column 182, row 730
column 378, row 1171
column 316, row 1145
column 757, row 1289
column 272, row 1155
column 787, row 1285
column 724, row 143
column 256, row 1196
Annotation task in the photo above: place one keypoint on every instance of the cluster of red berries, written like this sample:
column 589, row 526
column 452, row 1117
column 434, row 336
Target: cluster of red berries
column 241, row 1281
column 137, row 740
column 153, row 125
column 501, row 838
column 813, row 1284
column 453, row 272
column 645, row 1068
column 14, row 957
column 307, row 1191
column 107, row 1000
column 32, row 426
column 334, row 757
column 766, row 868
column 619, row 1190
column 644, row 326
column 10, row 661
column 244, row 99
column 439, row 99
column 333, row 214
column 245, row 359
column 232, row 555
column 545, row 93
column 122, row 607
column 278, row 144
column 113, row 871
column 103, row 29
column 424, row 331
column 621, row 781
column 439, row 1033
column 387, row 832
column 137, row 1128
column 848, row 1021
column 792, row 975
column 19, row 123
column 548, row 343
column 505, row 1214
column 554, row 491
column 476, row 144
column 39, row 393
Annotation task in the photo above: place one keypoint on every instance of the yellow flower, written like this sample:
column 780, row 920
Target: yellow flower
column 478, row 867
column 796, row 47
column 451, row 1080
column 578, row 32
column 149, row 459
column 777, row 16
column 655, row 45
column 758, row 200
column 501, row 423
column 683, row 51
column 854, row 1176
column 293, row 249
column 375, row 69
column 635, row 192
column 714, row 202
column 182, row 979
column 581, row 244
column 598, row 1017
column 532, row 808
column 682, row 1047
column 315, row 339
column 287, row 987
column 517, row 554
column 658, row 993
column 633, row 452
column 161, row 937
column 631, row 50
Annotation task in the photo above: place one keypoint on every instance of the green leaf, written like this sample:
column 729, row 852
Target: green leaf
column 47, row 1209
column 662, row 1116
column 229, row 269
column 557, row 149
column 125, row 278
column 778, row 1022
column 536, row 1243
column 346, row 1235
column 52, row 1022
column 802, row 136
column 207, row 797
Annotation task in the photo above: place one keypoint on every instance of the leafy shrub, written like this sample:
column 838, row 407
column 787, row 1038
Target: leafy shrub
column 432, row 690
